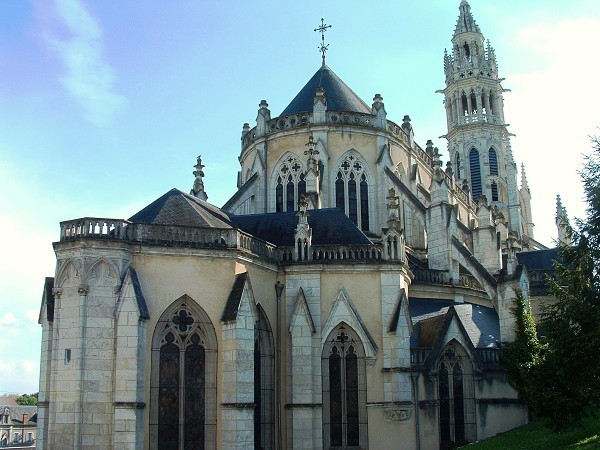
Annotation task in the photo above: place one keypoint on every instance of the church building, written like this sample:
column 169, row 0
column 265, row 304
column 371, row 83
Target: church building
column 354, row 292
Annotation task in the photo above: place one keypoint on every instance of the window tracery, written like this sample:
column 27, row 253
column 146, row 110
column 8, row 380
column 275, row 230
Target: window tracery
column 454, row 387
column 290, row 184
column 352, row 191
column 183, row 379
column 344, row 391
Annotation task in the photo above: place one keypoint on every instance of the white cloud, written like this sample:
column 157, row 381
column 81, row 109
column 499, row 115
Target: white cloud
column 89, row 77
column 19, row 376
column 553, row 111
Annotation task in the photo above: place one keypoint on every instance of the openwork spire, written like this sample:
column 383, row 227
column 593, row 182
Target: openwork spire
column 465, row 22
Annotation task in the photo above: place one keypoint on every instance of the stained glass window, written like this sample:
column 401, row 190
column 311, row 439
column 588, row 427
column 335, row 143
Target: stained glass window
column 451, row 394
column 290, row 184
column 352, row 191
column 179, row 414
column 344, row 399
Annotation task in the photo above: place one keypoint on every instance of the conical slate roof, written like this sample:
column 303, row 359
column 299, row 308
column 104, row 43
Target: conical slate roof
column 180, row 209
column 337, row 93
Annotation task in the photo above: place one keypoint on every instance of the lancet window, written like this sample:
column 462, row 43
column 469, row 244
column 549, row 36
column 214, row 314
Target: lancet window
column 352, row 191
column 183, row 383
column 344, row 391
column 263, row 383
column 455, row 398
column 290, row 184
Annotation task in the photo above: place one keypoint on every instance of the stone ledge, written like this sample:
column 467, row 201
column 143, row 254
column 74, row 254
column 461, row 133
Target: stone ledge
column 238, row 405
column 129, row 405
column 303, row 405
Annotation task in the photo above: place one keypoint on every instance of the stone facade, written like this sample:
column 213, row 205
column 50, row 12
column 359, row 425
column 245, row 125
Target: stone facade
column 352, row 289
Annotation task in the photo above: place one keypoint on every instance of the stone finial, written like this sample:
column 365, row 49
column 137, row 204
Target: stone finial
column 449, row 169
column 466, row 187
column 524, row 184
column 245, row 129
column 429, row 147
column 264, row 115
column 562, row 223
column 378, row 111
column 198, row 187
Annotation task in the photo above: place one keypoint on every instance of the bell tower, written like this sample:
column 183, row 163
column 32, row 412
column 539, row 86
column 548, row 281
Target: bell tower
column 478, row 140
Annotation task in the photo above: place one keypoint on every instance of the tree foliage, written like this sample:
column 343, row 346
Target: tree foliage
column 521, row 356
column 559, row 376
column 26, row 400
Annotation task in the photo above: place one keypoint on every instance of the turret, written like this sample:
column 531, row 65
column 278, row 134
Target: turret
column 478, row 140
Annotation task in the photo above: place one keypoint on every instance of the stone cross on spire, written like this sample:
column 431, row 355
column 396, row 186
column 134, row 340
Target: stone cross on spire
column 198, row 188
column 322, row 29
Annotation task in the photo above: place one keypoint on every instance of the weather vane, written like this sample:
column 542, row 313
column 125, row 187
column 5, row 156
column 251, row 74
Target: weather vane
column 322, row 29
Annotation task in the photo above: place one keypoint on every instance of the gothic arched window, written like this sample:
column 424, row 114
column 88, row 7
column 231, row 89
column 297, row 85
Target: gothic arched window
column 183, row 380
column 344, row 391
column 352, row 191
column 263, row 383
column 475, row 173
column 455, row 398
column 290, row 184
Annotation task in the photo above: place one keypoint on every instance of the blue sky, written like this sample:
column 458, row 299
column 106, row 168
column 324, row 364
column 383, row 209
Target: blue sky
column 105, row 104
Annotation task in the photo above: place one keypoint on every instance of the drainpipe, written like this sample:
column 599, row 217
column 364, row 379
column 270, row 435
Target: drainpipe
column 278, row 443
column 415, row 378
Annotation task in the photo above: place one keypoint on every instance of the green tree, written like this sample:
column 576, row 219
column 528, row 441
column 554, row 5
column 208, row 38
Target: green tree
column 522, row 356
column 26, row 400
column 567, row 380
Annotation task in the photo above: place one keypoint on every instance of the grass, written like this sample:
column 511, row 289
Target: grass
column 535, row 436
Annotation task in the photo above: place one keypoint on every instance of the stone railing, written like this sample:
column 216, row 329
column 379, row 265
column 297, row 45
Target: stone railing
column 335, row 253
column 478, row 118
column 419, row 355
column 489, row 358
column 350, row 118
column 430, row 276
column 94, row 227
column 122, row 230
column 538, row 281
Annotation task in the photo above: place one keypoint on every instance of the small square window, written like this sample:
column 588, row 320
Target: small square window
column 67, row 355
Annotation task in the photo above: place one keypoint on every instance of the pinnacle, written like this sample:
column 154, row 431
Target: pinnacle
column 465, row 22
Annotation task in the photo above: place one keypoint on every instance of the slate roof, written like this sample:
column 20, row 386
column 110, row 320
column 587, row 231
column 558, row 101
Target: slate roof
column 17, row 411
column 337, row 93
column 329, row 226
column 181, row 209
column 538, row 259
column 481, row 323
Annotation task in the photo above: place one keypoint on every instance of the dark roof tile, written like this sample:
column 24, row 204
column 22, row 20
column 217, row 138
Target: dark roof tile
column 337, row 93
column 180, row 209
column 329, row 226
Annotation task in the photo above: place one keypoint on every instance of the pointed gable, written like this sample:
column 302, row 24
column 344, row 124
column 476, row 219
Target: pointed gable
column 337, row 93
column 301, row 314
column 343, row 311
column 180, row 209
